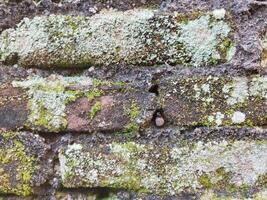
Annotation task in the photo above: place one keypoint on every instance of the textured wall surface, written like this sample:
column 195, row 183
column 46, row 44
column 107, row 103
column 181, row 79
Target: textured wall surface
column 133, row 99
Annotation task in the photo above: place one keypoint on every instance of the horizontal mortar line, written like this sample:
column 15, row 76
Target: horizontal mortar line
column 176, row 128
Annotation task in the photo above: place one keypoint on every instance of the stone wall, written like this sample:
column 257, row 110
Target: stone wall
column 133, row 99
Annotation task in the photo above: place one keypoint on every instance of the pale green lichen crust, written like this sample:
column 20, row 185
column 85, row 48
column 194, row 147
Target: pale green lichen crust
column 16, row 166
column 226, row 165
column 139, row 36
column 48, row 98
column 215, row 101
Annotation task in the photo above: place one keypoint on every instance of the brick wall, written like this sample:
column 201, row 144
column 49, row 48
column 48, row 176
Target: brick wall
column 146, row 99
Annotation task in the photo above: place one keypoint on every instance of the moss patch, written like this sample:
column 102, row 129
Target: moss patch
column 95, row 108
column 14, row 156
column 132, row 112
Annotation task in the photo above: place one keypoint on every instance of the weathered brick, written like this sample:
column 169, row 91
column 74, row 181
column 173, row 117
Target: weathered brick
column 165, row 169
column 139, row 36
column 58, row 103
column 13, row 108
column 21, row 162
column 264, row 50
column 83, row 104
column 214, row 101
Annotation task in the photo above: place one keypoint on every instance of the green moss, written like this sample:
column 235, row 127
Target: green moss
column 225, row 49
column 95, row 108
column 42, row 120
column 249, row 122
column 74, row 24
column 133, row 111
column 24, row 167
column 131, row 128
column 205, row 181
column 219, row 179
column 98, row 82
column 92, row 94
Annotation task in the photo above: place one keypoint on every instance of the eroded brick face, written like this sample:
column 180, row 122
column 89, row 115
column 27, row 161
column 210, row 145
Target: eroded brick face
column 133, row 99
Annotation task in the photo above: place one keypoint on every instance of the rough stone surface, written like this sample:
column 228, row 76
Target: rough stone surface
column 12, row 107
column 214, row 101
column 21, row 165
column 64, row 103
column 248, row 16
column 139, row 36
column 165, row 170
column 133, row 99
column 264, row 50
column 77, row 103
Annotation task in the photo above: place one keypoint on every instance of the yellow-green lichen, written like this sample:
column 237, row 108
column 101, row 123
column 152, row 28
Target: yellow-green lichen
column 92, row 94
column 14, row 156
column 95, row 108
column 132, row 112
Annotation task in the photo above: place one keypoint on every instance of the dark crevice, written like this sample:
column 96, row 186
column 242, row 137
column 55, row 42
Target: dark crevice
column 101, row 192
column 154, row 89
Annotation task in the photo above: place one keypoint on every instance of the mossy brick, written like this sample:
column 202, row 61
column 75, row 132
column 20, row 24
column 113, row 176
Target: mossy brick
column 135, row 37
column 21, row 168
column 75, row 103
column 214, row 101
column 230, row 166
column 80, row 103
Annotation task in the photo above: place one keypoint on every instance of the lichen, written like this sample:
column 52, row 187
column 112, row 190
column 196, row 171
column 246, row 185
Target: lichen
column 48, row 98
column 132, row 112
column 201, row 38
column 215, row 101
column 236, row 91
column 92, row 94
column 258, row 87
column 139, row 36
column 238, row 117
column 23, row 169
column 95, row 108
column 146, row 168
